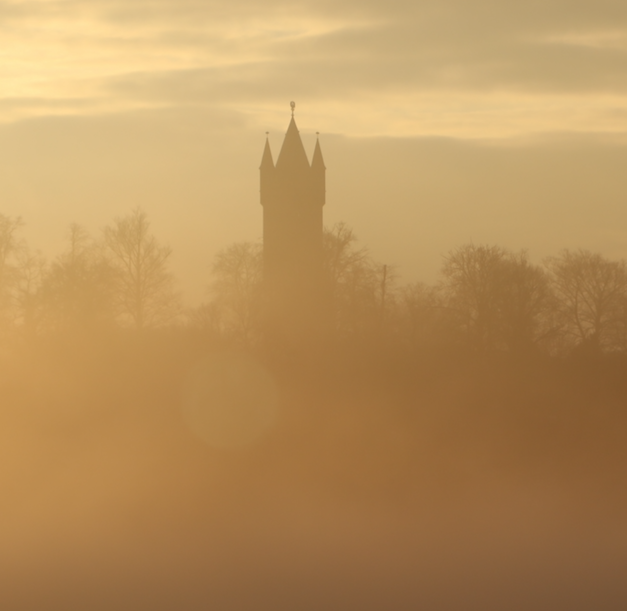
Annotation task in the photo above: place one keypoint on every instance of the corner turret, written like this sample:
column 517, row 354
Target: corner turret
column 266, row 160
column 318, row 179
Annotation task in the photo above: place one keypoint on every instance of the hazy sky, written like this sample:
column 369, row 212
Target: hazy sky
column 441, row 122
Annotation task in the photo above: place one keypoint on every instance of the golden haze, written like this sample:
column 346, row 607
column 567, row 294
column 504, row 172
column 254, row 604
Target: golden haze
column 444, row 440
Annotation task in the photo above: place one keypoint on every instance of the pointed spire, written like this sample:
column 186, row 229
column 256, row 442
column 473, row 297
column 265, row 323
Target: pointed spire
column 266, row 159
column 317, row 163
column 292, row 153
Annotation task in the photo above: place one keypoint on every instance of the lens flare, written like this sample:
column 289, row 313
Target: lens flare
column 230, row 400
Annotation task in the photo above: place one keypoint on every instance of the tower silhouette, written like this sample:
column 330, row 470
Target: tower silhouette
column 292, row 196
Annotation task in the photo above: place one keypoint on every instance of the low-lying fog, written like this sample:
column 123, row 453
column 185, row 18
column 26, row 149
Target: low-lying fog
column 362, row 485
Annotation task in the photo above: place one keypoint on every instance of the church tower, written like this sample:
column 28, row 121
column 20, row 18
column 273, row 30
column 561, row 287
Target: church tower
column 292, row 196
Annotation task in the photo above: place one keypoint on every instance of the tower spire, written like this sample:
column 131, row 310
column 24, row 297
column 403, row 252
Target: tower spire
column 317, row 163
column 292, row 155
column 266, row 159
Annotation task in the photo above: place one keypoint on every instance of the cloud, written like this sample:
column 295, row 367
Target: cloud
column 391, row 62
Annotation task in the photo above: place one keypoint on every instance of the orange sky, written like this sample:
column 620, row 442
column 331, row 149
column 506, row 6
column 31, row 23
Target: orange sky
column 441, row 122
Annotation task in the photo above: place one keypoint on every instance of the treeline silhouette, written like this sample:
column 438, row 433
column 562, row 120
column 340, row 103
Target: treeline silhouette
column 487, row 300
column 492, row 320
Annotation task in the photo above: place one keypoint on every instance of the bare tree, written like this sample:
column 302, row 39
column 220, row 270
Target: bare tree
column 143, row 292
column 206, row 319
column 360, row 289
column 31, row 273
column 10, row 248
column 526, row 315
column 235, row 289
column 498, row 299
column 77, row 288
column 340, row 257
column 472, row 278
column 591, row 293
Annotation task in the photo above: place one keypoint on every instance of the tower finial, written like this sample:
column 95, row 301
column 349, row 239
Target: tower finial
column 292, row 106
